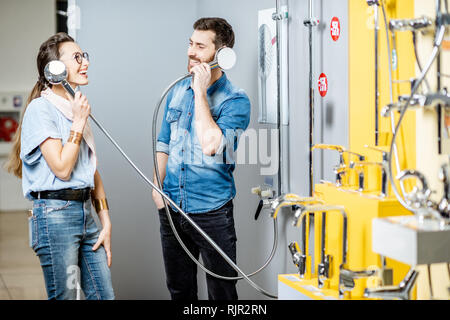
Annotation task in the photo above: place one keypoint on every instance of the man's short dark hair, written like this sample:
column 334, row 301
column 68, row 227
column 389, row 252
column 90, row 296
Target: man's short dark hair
column 222, row 29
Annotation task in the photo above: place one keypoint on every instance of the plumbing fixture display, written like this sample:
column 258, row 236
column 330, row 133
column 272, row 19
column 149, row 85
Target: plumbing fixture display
column 396, row 219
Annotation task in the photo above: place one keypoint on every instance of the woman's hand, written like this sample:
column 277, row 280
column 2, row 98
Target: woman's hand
column 105, row 237
column 80, row 109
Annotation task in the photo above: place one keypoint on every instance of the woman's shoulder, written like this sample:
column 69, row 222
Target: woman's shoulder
column 39, row 105
column 38, row 102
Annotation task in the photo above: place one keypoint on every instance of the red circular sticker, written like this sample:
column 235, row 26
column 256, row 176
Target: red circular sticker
column 335, row 28
column 323, row 84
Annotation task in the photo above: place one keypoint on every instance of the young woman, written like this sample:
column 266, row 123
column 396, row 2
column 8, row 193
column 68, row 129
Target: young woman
column 54, row 155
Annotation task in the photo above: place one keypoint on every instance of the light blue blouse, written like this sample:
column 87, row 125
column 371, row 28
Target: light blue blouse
column 43, row 120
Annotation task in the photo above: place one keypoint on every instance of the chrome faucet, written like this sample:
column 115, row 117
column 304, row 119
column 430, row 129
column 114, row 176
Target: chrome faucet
column 444, row 205
column 340, row 169
column 383, row 167
column 324, row 268
column 347, row 278
column 418, row 100
column 384, row 170
column 419, row 198
column 402, row 291
column 266, row 193
column 298, row 214
column 416, row 24
column 298, row 258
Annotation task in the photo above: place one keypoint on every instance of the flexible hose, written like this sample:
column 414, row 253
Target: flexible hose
column 397, row 160
column 419, row 65
column 148, row 181
column 214, row 245
column 434, row 54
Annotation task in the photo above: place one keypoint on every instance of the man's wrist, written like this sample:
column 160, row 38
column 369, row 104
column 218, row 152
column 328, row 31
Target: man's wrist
column 200, row 93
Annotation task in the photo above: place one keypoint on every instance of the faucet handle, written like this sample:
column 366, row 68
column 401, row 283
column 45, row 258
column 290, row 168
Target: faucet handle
column 419, row 197
column 378, row 149
column 298, row 258
column 265, row 192
column 444, row 205
column 259, row 208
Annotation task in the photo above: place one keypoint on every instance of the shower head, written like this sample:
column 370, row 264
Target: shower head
column 56, row 73
column 265, row 49
column 225, row 59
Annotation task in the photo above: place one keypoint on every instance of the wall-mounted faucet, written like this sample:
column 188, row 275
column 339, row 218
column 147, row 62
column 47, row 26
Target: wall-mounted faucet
column 419, row 100
column 423, row 23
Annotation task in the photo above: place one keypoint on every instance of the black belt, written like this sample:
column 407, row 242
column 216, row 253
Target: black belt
column 64, row 194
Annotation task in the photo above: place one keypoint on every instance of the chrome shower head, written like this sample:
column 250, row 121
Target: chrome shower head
column 56, row 73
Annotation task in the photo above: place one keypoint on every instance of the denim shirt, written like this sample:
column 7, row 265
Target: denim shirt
column 202, row 183
column 41, row 121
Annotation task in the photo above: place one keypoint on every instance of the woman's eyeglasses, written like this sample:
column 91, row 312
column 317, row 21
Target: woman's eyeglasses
column 79, row 57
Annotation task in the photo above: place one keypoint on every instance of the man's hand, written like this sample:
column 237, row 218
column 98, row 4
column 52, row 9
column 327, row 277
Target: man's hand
column 201, row 79
column 157, row 198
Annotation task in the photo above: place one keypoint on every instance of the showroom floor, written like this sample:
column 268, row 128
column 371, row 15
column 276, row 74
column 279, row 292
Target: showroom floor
column 20, row 273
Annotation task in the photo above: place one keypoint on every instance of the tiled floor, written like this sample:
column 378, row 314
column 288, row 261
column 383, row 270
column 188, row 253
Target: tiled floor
column 20, row 273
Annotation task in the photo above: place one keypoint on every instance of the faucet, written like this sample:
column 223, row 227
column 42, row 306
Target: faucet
column 384, row 170
column 427, row 100
column 324, row 268
column 410, row 24
column 383, row 167
column 444, row 205
column 340, row 169
column 402, row 291
column 419, row 198
column 359, row 166
column 298, row 214
column 266, row 193
column 298, row 258
column 347, row 278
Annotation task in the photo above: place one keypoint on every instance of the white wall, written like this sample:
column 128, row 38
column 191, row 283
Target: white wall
column 24, row 25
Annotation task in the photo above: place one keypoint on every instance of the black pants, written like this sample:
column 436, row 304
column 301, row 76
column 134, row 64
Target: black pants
column 181, row 271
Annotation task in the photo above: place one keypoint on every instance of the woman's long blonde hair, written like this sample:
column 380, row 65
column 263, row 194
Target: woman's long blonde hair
column 48, row 51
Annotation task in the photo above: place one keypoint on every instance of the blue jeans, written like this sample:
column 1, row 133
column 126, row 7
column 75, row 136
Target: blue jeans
column 181, row 271
column 62, row 234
